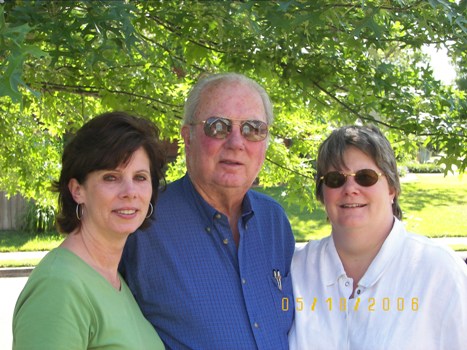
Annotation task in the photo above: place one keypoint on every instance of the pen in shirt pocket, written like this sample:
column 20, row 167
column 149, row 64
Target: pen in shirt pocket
column 278, row 277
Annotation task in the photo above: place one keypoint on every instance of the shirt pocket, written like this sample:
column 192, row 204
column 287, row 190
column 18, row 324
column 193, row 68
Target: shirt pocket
column 283, row 299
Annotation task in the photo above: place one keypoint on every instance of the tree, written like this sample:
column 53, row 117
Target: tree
column 325, row 64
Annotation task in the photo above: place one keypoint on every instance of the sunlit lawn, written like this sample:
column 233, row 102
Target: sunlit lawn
column 19, row 263
column 14, row 241
column 436, row 206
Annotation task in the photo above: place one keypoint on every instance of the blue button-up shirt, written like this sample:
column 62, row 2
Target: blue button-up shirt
column 197, row 289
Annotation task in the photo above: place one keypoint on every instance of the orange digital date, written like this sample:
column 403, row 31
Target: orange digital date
column 342, row 304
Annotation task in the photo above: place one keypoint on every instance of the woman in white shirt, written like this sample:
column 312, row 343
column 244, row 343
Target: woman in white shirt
column 371, row 284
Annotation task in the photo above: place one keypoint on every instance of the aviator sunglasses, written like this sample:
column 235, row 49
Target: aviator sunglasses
column 364, row 177
column 220, row 128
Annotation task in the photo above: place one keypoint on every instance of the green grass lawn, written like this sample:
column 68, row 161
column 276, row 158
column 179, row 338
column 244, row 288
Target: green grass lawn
column 17, row 241
column 433, row 205
column 19, row 263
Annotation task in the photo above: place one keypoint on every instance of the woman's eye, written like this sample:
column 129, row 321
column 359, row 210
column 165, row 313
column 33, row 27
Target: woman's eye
column 109, row 177
column 141, row 178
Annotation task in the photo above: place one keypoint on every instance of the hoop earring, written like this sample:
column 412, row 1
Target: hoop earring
column 151, row 210
column 77, row 212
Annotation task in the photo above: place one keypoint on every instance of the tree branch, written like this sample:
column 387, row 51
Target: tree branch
column 95, row 92
column 288, row 169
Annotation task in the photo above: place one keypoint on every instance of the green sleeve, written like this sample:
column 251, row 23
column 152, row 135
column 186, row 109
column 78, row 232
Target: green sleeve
column 52, row 313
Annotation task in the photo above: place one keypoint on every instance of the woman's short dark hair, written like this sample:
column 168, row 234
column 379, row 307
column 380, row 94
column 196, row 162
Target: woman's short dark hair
column 104, row 143
column 370, row 141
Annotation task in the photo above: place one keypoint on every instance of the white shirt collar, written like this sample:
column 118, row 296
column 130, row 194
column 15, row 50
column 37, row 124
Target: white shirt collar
column 383, row 259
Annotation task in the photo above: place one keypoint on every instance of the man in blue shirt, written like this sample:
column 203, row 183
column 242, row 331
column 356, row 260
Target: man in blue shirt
column 212, row 271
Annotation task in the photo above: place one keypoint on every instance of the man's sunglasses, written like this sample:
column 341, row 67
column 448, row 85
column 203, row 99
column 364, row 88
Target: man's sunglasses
column 364, row 177
column 220, row 128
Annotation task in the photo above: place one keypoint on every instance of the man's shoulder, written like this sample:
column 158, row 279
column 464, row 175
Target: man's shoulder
column 176, row 185
column 260, row 201
column 171, row 192
column 262, row 197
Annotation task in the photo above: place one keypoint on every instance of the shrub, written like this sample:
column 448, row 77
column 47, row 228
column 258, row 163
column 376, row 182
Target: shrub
column 418, row 168
column 38, row 218
column 402, row 170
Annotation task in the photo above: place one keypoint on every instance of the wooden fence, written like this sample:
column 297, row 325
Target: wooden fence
column 11, row 211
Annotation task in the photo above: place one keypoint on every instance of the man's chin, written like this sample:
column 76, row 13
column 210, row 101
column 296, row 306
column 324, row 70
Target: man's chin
column 234, row 182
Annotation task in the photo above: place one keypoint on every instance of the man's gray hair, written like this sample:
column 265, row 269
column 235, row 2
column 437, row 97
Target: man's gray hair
column 196, row 92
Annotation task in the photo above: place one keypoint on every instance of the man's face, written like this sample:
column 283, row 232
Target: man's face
column 233, row 162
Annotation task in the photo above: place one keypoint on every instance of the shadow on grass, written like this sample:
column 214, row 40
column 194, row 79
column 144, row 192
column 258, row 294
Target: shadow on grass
column 414, row 198
column 17, row 241
column 306, row 225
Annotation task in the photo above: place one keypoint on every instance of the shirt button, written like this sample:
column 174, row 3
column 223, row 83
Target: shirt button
column 358, row 291
column 217, row 216
column 256, row 325
column 243, row 281
column 225, row 241
column 347, row 283
column 208, row 229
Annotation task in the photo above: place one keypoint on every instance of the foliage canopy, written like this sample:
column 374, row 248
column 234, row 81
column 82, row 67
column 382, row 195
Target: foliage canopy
column 324, row 63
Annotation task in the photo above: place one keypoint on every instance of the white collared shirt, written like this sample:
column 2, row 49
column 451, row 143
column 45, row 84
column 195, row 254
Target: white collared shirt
column 413, row 296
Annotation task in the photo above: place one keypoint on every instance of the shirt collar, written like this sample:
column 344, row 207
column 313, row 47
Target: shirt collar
column 207, row 210
column 247, row 207
column 386, row 255
column 333, row 266
column 203, row 207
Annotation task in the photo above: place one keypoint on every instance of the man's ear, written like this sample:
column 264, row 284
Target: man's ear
column 185, row 132
column 75, row 189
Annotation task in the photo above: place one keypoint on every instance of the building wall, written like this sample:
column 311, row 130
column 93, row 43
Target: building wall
column 11, row 211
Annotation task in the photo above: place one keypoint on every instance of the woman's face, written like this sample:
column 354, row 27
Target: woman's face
column 355, row 207
column 115, row 201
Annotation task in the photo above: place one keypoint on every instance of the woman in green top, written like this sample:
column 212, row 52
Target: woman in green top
column 75, row 298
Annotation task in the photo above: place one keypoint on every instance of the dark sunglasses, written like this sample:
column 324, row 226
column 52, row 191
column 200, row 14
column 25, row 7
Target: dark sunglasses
column 220, row 128
column 364, row 177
